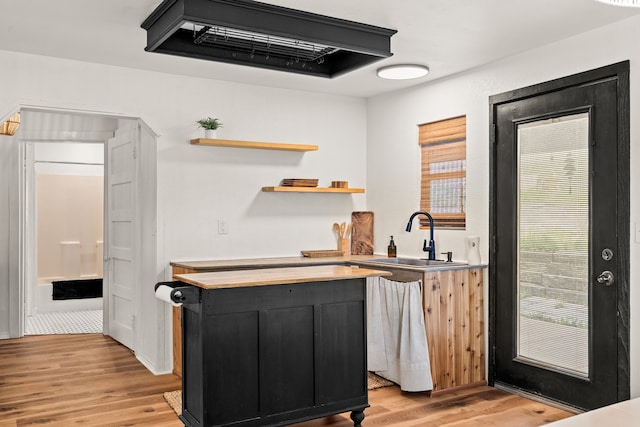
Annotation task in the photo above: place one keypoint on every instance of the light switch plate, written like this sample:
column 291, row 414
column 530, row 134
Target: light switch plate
column 222, row 227
column 637, row 232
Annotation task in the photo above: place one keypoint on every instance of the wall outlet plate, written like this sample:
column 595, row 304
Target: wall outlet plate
column 223, row 227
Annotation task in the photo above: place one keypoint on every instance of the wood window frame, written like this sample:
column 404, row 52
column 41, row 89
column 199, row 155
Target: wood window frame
column 443, row 141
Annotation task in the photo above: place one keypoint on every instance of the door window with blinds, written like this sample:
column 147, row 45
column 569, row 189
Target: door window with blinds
column 444, row 171
column 553, row 242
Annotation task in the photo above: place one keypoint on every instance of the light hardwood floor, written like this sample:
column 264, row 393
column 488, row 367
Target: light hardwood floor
column 477, row 406
column 91, row 380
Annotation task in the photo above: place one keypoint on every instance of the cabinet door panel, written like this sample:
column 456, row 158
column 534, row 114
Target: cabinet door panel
column 342, row 366
column 232, row 369
column 287, row 339
column 192, row 357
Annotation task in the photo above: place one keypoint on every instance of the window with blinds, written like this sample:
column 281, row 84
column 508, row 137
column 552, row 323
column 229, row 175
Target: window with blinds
column 444, row 171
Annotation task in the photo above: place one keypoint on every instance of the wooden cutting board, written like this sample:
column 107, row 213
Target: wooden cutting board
column 322, row 253
column 362, row 233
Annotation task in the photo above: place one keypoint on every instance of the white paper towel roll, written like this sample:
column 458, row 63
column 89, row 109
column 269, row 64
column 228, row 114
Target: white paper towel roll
column 163, row 292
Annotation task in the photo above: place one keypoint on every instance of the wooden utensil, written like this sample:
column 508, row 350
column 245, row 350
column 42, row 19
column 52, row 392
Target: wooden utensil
column 343, row 240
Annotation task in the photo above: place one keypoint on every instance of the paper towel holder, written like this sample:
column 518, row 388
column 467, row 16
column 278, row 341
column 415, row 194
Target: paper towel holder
column 182, row 293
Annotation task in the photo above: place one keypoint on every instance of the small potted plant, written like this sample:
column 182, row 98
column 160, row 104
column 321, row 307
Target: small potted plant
column 209, row 125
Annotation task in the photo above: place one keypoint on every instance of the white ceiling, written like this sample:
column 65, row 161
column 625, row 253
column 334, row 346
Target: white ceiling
column 449, row 36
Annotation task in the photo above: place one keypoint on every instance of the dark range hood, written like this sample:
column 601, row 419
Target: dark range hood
column 256, row 34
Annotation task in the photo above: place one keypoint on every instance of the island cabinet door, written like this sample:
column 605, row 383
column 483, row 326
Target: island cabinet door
column 341, row 365
column 273, row 354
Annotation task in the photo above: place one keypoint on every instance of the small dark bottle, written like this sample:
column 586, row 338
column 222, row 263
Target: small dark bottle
column 391, row 249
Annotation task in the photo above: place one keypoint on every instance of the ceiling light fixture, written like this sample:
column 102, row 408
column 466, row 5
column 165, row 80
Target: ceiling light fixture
column 256, row 34
column 403, row 71
column 10, row 126
column 624, row 3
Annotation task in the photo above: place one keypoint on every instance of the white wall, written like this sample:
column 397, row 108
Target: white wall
column 65, row 158
column 198, row 185
column 222, row 183
column 5, row 176
column 10, row 296
column 393, row 161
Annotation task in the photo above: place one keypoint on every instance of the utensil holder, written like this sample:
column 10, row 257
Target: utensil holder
column 344, row 245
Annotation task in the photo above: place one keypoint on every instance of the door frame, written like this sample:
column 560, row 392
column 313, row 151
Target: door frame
column 30, row 236
column 26, row 221
column 619, row 71
column 24, row 224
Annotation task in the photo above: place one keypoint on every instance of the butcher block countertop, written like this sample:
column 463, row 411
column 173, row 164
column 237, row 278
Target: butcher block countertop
column 276, row 276
column 250, row 263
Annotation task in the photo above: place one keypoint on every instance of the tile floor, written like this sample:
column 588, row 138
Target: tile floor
column 76, row 322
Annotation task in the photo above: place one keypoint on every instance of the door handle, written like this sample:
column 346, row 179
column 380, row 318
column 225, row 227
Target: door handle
column 606, row 278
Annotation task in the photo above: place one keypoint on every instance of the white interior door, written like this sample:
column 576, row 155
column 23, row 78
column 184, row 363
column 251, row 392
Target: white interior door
column 121, row 236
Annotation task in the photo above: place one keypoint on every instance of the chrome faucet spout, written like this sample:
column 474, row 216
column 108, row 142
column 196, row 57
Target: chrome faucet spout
column 431, row 248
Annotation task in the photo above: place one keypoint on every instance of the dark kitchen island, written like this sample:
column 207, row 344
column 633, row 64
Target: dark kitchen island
column 273, row 347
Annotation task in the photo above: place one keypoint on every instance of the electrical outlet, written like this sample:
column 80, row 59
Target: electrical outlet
column 223, row 228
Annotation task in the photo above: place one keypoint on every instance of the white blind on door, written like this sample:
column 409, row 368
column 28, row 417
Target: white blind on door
column 553, row 242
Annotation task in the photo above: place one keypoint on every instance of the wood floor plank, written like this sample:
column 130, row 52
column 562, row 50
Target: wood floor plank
column 478, row 406
column 90, row 380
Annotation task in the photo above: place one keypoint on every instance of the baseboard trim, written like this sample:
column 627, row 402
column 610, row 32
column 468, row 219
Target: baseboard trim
column 151, row 367
column 537, row 398
column 459, row 388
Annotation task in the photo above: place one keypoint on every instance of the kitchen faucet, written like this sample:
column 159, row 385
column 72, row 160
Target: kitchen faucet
column 432, row 244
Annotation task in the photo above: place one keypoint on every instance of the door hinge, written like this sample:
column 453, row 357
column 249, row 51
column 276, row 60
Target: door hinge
column 133, row 321
column 135, row 154
column 492, row 136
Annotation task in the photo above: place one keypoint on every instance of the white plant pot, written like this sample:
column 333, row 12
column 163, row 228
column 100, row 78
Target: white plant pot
column 211, row 133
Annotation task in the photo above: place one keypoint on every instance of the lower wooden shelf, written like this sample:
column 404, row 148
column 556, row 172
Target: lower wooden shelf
column 311, row 190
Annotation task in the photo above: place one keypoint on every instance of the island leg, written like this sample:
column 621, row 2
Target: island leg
column 357, row 417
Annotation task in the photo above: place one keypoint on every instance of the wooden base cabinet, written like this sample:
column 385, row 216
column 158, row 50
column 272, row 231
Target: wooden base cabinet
column 454, row 320
column 176, row 326
column 275, row 355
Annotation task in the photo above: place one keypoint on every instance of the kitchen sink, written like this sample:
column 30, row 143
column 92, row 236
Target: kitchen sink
column 416, row 262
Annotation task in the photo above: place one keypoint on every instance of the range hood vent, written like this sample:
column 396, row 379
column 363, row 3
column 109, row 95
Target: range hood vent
column 252, row 33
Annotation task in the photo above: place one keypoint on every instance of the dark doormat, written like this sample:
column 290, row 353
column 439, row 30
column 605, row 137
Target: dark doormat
column 77, row 289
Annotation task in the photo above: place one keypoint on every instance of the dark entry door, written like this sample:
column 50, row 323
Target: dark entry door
column 559, row 249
